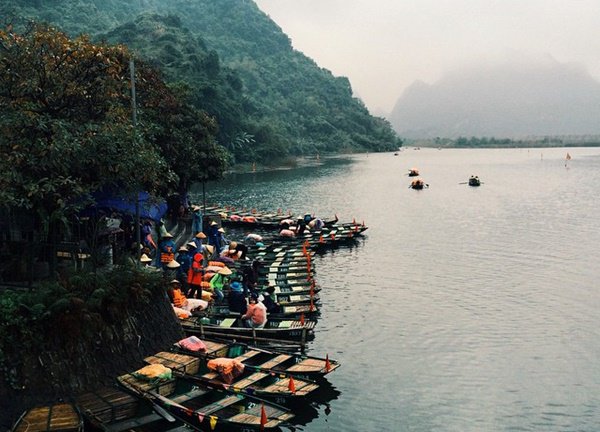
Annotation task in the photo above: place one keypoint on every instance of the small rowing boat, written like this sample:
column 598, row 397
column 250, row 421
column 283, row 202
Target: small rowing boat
column 205, row 408
column 293, row 332
column 264, row 384
column 296, row 364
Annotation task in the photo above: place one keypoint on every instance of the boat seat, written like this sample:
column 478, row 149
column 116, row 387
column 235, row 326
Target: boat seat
column 282, row 386
column 211, row 375
column 211, row 346
column 309, row 365
column 275, row 361
column 246, row 355
column 218, row 405
column 227, row 322
column 249, row 380
column 189, row 395
column 285, row 324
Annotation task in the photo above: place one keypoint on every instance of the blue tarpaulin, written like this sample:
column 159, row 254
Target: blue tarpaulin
column 149, row 208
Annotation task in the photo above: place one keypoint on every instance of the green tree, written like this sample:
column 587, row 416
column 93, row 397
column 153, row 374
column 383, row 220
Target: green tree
column 184, row 134
column 65, row 127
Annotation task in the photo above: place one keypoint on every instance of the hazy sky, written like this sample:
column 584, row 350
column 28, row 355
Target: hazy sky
column 383, row 46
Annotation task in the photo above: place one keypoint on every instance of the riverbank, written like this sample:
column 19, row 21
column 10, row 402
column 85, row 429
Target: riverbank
column 284, row 164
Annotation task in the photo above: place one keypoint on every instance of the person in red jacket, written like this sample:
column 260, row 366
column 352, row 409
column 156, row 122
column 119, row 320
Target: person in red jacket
column 195, row 275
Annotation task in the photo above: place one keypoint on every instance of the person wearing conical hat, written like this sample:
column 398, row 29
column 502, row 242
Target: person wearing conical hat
column 209, row 253
column 196, row 220
column 184, row 259
column 145, row 261
column 180, row 301
column 223, row 241
column 195, row 276
column 214, row 236
column 218, row 281
column 199, row 240
column 171, row 270
column 166, row 249
column 231, row 252
column 241, row 248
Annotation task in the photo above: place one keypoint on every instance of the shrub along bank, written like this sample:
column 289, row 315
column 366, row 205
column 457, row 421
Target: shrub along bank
column 79, row 333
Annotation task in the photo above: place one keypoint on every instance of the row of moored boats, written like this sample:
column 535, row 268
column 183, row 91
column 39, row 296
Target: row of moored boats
column 223, row 375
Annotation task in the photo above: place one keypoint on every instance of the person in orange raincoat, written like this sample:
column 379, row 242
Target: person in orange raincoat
column 195, row 275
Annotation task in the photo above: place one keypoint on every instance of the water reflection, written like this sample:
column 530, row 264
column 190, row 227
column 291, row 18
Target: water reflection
column 319, row 405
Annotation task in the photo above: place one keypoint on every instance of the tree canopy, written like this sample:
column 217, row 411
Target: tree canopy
column 66, row 125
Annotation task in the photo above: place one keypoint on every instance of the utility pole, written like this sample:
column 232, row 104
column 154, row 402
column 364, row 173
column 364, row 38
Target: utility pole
column 138, row 234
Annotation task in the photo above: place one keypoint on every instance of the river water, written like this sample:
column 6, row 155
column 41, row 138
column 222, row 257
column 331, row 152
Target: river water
column 463, row 308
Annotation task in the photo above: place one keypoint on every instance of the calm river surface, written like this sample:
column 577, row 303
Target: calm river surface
column 463, row 309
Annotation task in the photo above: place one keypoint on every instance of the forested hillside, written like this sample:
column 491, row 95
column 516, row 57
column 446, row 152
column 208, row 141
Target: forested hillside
column 269, row 100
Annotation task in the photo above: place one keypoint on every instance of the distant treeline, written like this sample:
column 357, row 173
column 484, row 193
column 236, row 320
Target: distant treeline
column 484, row 142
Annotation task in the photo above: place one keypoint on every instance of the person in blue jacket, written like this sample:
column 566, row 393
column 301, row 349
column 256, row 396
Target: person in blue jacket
column 214, row 236
column 185, row 261
column 167, row 249
column 196, row 220
column 236, row 299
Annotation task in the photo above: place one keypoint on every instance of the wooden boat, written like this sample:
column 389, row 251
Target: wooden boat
column 418, row 184
column 413, row 172
column 474, row 181
column 297, row 299
column 291, row 331
column 253, row 220
column 205, row 408
column 59, row 417
column 287, row 278
column 298, row 275
column 327, row 237
column 283, row 288
column 281, row 270
column 290, row 295
column 288, row 312
column 298, row 365
column 111, row 409
column 265, row 384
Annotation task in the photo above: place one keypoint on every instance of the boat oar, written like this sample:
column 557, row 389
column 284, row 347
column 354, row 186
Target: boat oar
column 160, row 410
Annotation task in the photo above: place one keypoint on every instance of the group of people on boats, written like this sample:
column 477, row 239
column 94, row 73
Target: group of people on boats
column 199, row 274
column 308, row 222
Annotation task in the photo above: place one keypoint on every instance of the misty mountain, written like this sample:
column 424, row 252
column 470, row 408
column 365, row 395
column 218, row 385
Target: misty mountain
column 506, row 101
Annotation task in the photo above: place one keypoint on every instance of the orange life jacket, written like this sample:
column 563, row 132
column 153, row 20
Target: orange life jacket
column 166, row 257
column 178, row 298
